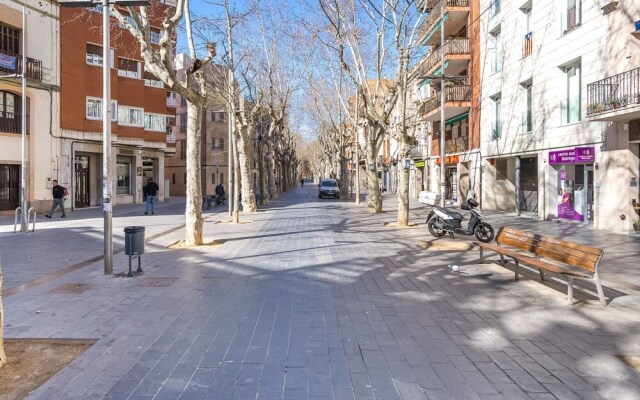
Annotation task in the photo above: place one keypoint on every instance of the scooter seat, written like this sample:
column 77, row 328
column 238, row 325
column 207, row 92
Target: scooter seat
column 454, row 214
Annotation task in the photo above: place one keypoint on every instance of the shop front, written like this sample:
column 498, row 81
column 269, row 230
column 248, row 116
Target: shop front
column 575, row 183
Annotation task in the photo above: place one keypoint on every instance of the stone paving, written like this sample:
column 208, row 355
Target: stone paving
column 317, row 299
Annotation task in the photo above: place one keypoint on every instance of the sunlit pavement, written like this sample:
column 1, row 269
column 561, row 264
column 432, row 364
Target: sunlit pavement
column 317, row 299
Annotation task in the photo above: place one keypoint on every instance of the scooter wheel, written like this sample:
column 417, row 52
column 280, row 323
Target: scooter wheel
column 483, row 232
column 435, row 227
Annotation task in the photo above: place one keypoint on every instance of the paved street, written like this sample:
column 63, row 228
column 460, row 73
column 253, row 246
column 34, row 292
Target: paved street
column 316, row 299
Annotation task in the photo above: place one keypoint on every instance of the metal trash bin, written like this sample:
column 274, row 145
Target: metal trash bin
column 134, row 245
column 133, row 240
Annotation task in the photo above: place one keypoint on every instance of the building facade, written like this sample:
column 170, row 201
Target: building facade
column 560, row 128
column 42, row 99
column 456, row 58
column 142, row 111
column 214, row 127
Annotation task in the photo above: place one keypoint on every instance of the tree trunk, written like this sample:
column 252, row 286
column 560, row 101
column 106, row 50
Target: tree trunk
column 403, row 190
column 248, row 196
column 344, row 178
column 262, row 166
column 193, row 228
column 374, row 196
column 3, row 356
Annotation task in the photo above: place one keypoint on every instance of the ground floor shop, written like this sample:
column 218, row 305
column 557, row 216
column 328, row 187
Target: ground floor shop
column 462, row 177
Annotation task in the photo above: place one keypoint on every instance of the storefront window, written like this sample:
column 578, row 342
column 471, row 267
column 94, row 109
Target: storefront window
column 123, row 169
column 575, row 182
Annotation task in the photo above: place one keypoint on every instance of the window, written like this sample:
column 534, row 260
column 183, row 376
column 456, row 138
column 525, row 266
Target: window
column 183, row 150
column 128, row 68
column 130, row 116
column 497, row 122
column 129, row 20
column 9, row 40
column 183, row 102
column 495, row 7
column 496, row 53
column 571, row 109
column 221, row 143
column 573, row 18
column 183, row 122
column 173, row 178
column 123, row 171
column 10, row 114
column 94, row 109
column 213, row 178
column 221, row 116
column 94, row 54
column 527, row 47
column 151, row 80
column 154, row 36
column 221, row 177
column 527, row 115
column 155, row 122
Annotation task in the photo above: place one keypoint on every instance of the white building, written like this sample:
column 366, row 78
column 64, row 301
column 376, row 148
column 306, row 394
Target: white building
column 559, row 134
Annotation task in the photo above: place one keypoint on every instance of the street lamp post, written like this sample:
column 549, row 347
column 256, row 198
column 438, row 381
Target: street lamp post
column 106, row 117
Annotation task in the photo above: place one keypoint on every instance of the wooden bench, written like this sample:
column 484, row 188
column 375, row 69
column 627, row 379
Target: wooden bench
column 561, row 257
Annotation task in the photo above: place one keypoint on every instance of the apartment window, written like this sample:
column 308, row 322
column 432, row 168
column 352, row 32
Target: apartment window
column 572, row 104
column 573, row 17
column 496, row 55
column 183, row 102
column 527, row 47
column 221, row 143
column 155, row 122
column 10, row 115
column 527, row 115
column 130, row 116
column 183, row 150
column 495, row 7
column 129, row 19
column 128, row 68
column 151, row 80
column 497, row 121
column 9, row 40
column 183, row 122
column 154, row 36
column 221, row 116
column 94, row 54
column 94, row 109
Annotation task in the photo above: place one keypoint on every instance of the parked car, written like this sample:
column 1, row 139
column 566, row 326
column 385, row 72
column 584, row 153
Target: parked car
column 329, row 188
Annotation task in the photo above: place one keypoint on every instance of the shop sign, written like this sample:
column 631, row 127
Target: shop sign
column 449, row 160
column 419, row 164
column 577, row 155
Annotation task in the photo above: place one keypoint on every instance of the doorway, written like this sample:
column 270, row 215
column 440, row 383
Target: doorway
column 9, row 187
column 82, row 198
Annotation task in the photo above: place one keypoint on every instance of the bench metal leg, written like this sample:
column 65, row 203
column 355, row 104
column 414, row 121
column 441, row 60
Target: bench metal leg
column 502, row 260
column 541, row 274
column 596, row 279
column 516, row 268
column 570, row 290
column 481, row 255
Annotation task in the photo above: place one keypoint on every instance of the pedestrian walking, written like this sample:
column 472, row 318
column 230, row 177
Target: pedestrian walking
column 152, row 190
column 301, row 182
column 58, row 194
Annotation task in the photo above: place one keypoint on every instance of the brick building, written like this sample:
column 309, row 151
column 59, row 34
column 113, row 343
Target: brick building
column 142, row 110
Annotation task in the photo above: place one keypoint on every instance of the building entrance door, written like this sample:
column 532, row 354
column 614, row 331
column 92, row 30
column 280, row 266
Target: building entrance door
column 81, row 195
column 9, row 187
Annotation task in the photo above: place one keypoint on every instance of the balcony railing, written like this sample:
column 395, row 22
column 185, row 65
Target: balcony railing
column 417, row 151
column 456, row 92
column 12, row 122
column 614, row 92
column 436, row 13
column 527, row 45
column 34, row 68
column 451, row 46
column 456, row 145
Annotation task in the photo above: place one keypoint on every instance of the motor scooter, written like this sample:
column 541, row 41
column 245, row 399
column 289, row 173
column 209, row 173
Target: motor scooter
column 442, row 221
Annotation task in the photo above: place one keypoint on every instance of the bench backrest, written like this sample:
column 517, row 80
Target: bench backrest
column 581, row 256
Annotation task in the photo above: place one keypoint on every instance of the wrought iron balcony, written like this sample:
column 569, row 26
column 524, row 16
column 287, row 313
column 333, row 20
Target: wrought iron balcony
column 614, row 92
column 12, row 122
column 417, row 151
column 454, row 92
column 436, row 13
column 452, row 46
column 33, row 71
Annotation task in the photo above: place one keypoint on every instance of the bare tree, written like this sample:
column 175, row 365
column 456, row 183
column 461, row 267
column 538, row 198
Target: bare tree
column 158, row 60
column 372, row 39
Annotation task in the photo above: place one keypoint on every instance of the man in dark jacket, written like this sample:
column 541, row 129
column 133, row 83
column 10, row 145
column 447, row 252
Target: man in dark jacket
column 58, row 199
column 152, row 191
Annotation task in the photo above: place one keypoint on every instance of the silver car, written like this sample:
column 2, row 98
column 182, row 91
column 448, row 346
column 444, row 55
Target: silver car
column 329, row 188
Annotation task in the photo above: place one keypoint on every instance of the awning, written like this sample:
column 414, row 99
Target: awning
column 434, row 29
column 456, row 119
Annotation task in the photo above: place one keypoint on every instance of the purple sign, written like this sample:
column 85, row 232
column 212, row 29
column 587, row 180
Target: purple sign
column 576, row 155
column 565, row 211
column 563, row 174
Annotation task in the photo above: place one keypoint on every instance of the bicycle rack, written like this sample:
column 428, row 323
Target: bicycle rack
column 15, row 221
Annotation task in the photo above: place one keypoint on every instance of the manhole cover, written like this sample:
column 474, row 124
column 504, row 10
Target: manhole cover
column 445, row 244
column 73, row 288
column 156, row 282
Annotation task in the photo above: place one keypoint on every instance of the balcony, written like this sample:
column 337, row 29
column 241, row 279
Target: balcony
column 455, row 12
column 12, row 123
column 527, row 45
column 456, row 145
column 457, row 102
column 456, row 51
column 615, row 98
column 418, row 151
column 34, row 68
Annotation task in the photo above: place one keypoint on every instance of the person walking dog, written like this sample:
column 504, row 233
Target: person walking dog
column 152, row 190
column 58, row 193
